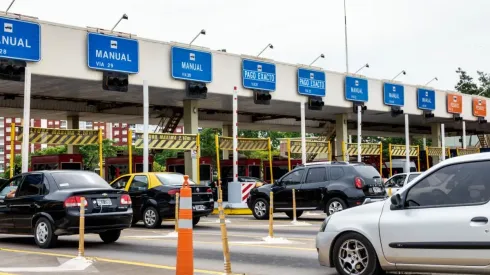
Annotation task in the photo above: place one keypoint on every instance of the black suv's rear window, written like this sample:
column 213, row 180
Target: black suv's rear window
column 367, row 171
column 76, row 180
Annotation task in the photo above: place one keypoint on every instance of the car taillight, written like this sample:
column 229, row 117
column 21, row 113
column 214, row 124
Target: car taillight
column 173, row 192
column 358, row 182
column 125, row 199
column 74, row 201
column 209, row 190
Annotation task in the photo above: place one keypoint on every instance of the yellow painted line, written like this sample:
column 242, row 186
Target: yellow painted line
column 107, row 260
column 250, row 236
column 234, row 211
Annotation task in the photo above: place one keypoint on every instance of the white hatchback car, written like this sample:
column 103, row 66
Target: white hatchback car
column 439, row 222
column 399, row 180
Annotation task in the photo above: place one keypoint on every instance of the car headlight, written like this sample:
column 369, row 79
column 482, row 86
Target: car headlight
column 324, row 224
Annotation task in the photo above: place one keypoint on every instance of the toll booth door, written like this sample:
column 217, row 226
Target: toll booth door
column 71, row 166
column 254, row 171
column 205, row 172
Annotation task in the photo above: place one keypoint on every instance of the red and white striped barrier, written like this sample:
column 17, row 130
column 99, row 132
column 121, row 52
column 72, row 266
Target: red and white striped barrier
column 246, row 188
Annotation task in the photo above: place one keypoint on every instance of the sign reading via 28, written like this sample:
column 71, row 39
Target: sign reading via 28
column 426, row 99
column 258, row 75
column 356, row 89
column 112, row 53
column 20, row 40
column 193, row 65
column 394, row 94
column 311, row 82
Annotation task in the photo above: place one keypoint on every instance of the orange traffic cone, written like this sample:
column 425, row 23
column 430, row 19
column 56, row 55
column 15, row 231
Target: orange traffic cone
column 185, row 250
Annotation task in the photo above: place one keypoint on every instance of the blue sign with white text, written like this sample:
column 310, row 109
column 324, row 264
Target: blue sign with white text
column 394, row 94
column 311, row 82
column 258, row 75
column 112, row 53
column 193, row 65
column 356, row 89
column 20, row 40
column 426, row 99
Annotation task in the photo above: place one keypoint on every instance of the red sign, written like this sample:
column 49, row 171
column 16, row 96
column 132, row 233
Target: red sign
column 479, row 107
column 454, row 103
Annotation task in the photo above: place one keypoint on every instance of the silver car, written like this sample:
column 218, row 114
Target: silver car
column 436, row 223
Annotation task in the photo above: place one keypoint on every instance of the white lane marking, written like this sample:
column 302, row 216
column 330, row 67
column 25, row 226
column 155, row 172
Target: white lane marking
column 76, row 264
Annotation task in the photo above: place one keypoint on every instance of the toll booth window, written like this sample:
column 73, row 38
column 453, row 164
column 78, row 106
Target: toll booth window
column 205, row 172
column 278, row 172
column 71, row 166
column 139, row 168
column 254, row 171
column 51, row 166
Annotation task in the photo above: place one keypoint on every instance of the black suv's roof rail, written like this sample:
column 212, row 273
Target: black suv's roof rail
column 323, row 163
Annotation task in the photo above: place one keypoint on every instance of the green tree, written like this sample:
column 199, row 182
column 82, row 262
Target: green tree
column 466, row 84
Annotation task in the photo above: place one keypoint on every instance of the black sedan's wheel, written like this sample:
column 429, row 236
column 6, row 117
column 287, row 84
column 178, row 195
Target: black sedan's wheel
column 335, row 205
column 260, row 209
column 354, row 254
column 298, row 214
column 44, row 234
column 151, row 218
column 110, row 236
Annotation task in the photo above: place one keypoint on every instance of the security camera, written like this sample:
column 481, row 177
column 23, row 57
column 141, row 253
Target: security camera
column 203, row 31
column 270, row 46
column 125, row 16
column 322, row 55
column 367, row 65
column 404, row 73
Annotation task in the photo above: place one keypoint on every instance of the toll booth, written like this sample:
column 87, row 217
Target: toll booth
column 205, row 168
column 57, row 162
column 279, row 168
column 246, row 168
column 118, row 166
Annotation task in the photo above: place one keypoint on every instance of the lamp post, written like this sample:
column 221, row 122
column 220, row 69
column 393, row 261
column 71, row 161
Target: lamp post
column 320, row 56
column 345, row 34
column 11, row 3
column 266, row 47
column 365, row 66
column 435, row 78
column 124, row 16
column 203, row 32
column 402, row 72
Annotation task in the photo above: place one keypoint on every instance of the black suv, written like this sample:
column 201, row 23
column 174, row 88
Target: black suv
column 326, row 186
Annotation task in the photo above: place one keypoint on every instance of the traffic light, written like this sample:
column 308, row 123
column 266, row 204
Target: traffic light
column 428, row 114
column 115, row 81
column 262, row 98
column 315, row 103
column 196, row 90
column 481, row 120
column 457, row 117
column 396, row 111
column 354, row 107
column 12, row 69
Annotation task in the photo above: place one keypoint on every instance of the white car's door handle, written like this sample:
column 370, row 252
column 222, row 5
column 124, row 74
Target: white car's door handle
column 480, row 219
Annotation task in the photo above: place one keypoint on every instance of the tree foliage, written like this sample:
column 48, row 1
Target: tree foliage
column 467, row 84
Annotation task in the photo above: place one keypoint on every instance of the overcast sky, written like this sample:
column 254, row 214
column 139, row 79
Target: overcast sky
column 427, row 38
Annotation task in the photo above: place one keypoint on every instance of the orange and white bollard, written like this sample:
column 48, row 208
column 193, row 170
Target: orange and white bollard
column 185, row 250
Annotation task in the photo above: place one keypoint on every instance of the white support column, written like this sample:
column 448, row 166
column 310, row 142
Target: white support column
column 146, row 121
column 303, row 133
column 340, row 135
column 424, row 143
column 436, row 140
column 359, row 133
column 407, row 145
column 27, row 120
column 443, row 142
column 235, row 135
column 191, row 127
column 464, row 134
column 350, row 138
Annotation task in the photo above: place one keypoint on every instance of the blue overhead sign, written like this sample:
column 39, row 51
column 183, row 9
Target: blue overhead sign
column 258, row 75
column 426, row 99
column 112, row 53
column 20, row 40
column 394, row 94
column 356, row 89
column 311, row 82
column 192, row 65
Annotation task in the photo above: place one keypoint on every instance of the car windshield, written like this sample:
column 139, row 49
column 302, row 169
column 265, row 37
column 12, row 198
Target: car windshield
column 77, row 180
column 172, row 179
column 367, row 171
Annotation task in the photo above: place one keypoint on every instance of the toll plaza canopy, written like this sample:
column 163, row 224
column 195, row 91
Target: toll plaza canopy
column 67, row 79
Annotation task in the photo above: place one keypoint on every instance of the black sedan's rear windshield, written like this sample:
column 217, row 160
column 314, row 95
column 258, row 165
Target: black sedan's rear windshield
column 77, row 180
column 172, row 179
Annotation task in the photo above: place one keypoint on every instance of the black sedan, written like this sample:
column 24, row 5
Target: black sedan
column 47, row 205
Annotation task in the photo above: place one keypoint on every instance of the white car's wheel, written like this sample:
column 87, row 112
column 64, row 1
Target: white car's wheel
column 353, row 254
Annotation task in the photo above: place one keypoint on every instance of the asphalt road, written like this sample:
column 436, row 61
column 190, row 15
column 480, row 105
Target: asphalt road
column 148, row 251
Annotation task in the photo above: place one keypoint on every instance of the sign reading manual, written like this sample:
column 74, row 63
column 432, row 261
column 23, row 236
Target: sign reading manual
column 311, row 82
column 258, row 75
column 426, row 99
column 356, row 89
column 20, row 40
column 112, row 53
column 193, row 65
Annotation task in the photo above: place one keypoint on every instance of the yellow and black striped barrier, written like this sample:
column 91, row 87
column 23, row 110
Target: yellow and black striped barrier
column 60, row 136
column 435, row 152
column 168, row 141
column 467, row 151
column 395, row 150
column 367, row 149
column 312, row 147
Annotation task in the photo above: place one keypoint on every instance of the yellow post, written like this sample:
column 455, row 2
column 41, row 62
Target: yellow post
column 389, row 153
column 101, row 160
column 216, row 140
column 294, row 205
column 381, row 159
column 177, row 196
column 427, row 157
column 418, row 158
column 198, row 157
column 270, row 158
column 329, row 151
column 224, row 235
column 81, row 241
column 271, row 215
column 12, row 149
column 389, row 192
column 289, row 154
column 130, row 150
column 344, row 149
